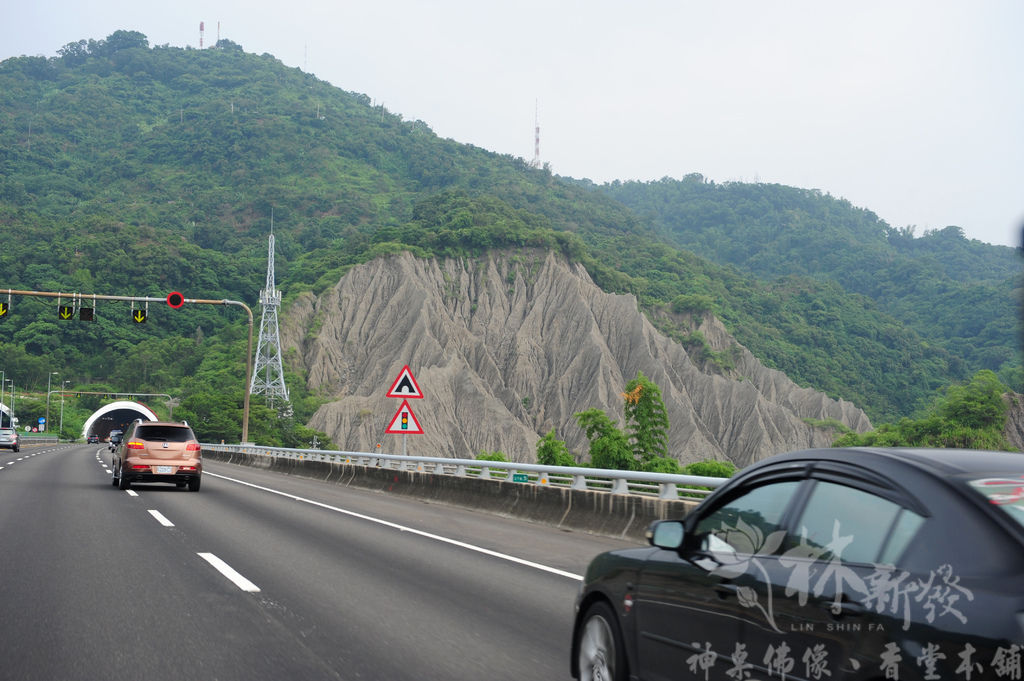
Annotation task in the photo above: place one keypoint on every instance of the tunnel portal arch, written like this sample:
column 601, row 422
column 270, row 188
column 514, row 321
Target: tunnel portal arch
column 115, row 416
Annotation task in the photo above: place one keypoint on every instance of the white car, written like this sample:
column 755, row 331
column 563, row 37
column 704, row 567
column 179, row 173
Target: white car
column 9, row 439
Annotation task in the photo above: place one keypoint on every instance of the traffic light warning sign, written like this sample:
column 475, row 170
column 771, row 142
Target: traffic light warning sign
column 404, row 422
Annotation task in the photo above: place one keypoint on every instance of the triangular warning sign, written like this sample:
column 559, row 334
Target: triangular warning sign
column 404, row 422
column 405, row 385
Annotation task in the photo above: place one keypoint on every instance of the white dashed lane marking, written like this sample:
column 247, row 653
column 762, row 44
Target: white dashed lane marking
column 229, row 572
column 160, row 518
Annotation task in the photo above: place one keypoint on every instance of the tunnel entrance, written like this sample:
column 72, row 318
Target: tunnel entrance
column 115, row 416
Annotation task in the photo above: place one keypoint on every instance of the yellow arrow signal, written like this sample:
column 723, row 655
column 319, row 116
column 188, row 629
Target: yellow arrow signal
column 67, row 311
column 3, row 309
column 139, row 316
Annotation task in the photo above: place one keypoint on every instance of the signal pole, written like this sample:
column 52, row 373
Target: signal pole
column 174, row 300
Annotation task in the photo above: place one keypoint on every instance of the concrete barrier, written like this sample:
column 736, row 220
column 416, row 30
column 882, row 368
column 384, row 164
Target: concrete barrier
column 624, row 516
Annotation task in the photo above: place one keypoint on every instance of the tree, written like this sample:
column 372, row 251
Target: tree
column 970, row 416
column 552, row 452
column 711, row 469
column 979, row 404
column 491, row 456
column 609, row 447
column 647, row 419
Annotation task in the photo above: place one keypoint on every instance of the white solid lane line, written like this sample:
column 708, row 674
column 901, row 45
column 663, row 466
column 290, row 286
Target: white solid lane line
column 229, row 572
column 403, row 528
column 160, row 518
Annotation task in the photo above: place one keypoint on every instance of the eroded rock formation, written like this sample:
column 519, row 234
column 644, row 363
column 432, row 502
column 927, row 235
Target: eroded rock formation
column 508, row 347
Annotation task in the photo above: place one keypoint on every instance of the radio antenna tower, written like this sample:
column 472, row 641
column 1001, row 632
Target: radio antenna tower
column 268, row 375
column 535, row 163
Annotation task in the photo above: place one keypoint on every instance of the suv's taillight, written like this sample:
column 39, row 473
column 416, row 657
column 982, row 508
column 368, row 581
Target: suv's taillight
column 192, row 447
column 135, row 445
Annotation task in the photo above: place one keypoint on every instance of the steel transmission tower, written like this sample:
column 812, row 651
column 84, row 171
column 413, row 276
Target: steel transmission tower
column 268, row 375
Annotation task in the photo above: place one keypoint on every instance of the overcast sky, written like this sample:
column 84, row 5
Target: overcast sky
column 913, row 109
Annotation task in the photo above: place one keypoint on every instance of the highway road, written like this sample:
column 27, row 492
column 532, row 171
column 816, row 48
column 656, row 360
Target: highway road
column 265, row 576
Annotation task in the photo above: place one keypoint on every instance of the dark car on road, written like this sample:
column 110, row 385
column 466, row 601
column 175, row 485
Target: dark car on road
column 158, row 451
column 9, row 439
column 836, row 564
column 92, row 438
column 115, row 439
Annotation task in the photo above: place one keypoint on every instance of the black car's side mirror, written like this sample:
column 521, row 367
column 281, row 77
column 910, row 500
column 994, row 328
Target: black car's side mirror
column 666, row 534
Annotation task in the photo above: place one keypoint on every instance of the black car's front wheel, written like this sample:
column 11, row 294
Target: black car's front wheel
column 599, row 649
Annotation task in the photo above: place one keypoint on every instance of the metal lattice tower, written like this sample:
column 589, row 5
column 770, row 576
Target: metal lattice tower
column 535, row 163
column 268, row 375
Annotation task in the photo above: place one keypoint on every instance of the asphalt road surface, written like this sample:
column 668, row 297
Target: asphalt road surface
column 264, row 576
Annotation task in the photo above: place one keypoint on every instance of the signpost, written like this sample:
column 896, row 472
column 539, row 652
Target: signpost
column 404, row 421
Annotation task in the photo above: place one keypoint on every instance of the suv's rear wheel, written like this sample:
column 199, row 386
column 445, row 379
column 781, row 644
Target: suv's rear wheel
column 122, row 482
column 193, row 484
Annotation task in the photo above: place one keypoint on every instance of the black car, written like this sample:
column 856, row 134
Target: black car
column 837, row 564
column 92, row 438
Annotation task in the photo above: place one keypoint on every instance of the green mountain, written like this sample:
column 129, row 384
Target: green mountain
column 959, row 294
column 127, row 169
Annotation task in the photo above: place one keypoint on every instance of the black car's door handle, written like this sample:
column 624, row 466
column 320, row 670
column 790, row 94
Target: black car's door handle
column 723, row 590
column 844, row 608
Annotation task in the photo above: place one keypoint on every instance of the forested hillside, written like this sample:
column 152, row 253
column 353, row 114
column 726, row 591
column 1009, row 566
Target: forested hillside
column 131, row 169
column 959, row 294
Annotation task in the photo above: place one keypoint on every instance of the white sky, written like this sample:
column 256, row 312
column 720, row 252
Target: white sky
column 913, row 109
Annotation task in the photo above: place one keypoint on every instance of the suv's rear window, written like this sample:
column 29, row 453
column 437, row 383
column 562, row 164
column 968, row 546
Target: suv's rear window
column 165, row 433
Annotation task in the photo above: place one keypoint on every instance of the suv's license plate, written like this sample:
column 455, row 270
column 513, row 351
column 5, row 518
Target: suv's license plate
column 165, row 469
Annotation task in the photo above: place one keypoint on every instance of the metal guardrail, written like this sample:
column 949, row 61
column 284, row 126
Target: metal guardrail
column 38, row 439
column 662, row 485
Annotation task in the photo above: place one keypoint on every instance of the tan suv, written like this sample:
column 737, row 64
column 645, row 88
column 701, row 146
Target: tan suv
column 158, row 451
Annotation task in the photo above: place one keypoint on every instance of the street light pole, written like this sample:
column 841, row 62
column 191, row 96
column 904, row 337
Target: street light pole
column 48, row 377
column 3, row 382
column 11, row 414
column 60, row 429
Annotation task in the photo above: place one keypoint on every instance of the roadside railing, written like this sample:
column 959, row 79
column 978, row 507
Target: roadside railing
column 661, row 485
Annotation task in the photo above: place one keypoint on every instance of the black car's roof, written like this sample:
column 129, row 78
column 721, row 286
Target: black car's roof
column 942, row 462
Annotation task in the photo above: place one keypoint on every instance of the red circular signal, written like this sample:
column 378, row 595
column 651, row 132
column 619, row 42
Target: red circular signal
column 175, row 299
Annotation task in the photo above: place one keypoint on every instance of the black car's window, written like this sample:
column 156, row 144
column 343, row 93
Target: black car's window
column 748, row 522
column 854, row 525
column 165, row 433
column 903, row 531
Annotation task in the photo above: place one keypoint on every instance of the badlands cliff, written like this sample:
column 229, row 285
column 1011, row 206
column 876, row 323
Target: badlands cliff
column 508, row 347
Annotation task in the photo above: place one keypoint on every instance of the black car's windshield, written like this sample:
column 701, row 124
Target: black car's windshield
column 1005, row 493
